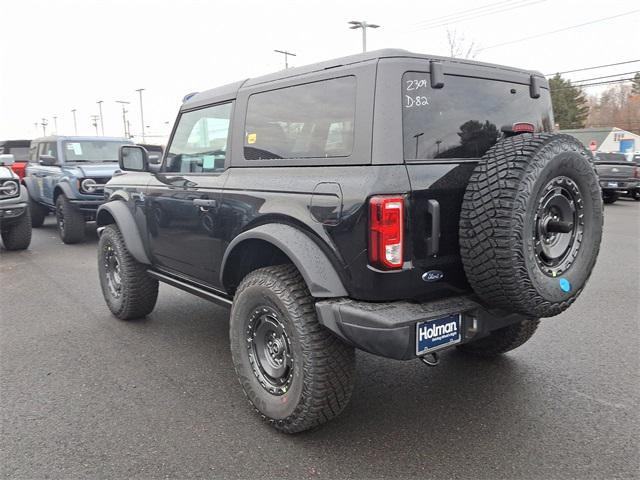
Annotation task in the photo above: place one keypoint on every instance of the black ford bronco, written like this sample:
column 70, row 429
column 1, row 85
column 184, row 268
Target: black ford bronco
column 393, row 202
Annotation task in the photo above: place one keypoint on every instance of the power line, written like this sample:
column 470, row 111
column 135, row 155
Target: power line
column 465, row 18
column 592, row 68
column 561, row 29
column 596, row 83
column 605, row 76
column 462, row 13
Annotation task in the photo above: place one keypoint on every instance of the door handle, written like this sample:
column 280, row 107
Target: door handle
column 433, row 242
column 204, row 203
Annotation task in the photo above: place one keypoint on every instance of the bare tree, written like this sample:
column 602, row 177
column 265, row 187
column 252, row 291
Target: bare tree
column 459, row 47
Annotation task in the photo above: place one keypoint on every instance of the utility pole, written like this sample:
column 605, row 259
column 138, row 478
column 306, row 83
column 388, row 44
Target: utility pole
column 286, row 57
column 140, row 90
column 75, row 123
column 124, row 116
column 94, row 122
column 363, row 25
column 99, row 102
column 44, row 127
column 55, row 124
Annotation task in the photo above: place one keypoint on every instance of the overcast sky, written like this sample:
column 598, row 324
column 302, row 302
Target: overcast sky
column 57, row 55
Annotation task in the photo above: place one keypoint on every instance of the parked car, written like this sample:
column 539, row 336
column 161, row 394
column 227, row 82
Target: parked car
column 331, row 213
column 20, row 151
column 617, row 175
column 66, row 175
column 15, row 222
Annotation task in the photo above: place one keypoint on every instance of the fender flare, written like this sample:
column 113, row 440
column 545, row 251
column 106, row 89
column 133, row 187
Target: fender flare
column 123, row 218
column 29, row 183
column 66, row 189
column 312, row 263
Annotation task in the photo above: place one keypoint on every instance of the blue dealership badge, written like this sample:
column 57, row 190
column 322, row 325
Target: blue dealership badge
column 565, row 285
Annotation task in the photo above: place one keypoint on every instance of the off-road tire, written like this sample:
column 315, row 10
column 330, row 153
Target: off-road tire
column 38, row 213
column 323, row 366
column 17, row 236
column 498, row 221
column 139, row 291
column 502, row 340
column 70, row 221
column 609, row 198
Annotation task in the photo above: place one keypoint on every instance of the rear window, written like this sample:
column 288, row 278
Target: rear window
column 464, row 118
column 21, row 154
column 315, row 120
column 611, row 157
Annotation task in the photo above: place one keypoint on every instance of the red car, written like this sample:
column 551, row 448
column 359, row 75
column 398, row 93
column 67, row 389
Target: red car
column 20, row 151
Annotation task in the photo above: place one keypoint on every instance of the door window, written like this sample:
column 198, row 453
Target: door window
column 199, row 143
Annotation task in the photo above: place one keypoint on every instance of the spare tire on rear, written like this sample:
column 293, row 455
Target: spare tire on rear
column 531, row 224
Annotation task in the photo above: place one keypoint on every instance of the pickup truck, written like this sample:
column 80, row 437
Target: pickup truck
column 618, row 176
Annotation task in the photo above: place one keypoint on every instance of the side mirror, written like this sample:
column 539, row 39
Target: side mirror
column 133, row 158
column 47, row 160
column 7, row 159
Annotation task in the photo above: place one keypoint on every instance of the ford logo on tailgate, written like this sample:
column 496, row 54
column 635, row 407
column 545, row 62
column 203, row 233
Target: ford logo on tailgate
column 432, row 276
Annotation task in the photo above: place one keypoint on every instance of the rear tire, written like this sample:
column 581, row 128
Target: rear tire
column 502, row 340
column 126, row 286
column 295, row 373
column 531, row 224
column 17, row 236
column 610, row 197
column 38, row 213
column 71, row 224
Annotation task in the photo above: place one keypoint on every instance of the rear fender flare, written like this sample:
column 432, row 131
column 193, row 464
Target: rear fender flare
column 313, row 264
column 117, row 212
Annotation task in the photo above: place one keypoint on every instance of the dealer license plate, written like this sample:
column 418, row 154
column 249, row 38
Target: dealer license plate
column 612, row 184
column 439, row 333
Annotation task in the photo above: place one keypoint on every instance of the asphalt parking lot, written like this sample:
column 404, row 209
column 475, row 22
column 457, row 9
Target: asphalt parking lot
column 86, row 396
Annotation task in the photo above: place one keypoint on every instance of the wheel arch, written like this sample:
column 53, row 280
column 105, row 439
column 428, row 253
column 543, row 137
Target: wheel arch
column 116, row 212
column 273, row 244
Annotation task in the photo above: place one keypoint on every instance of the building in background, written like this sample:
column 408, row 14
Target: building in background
column 607, row 139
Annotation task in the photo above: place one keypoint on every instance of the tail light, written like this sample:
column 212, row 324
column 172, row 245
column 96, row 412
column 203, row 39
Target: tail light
column 519, row 127
column 636, row 172
column 386, row 231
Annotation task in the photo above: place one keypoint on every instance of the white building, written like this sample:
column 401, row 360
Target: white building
column 604, row 139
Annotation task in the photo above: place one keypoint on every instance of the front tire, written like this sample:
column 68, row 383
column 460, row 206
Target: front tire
column 502, row 340
column 18, row 235
column 295, row 373
column 126, row 286
column 71, row 224
column 610, row 197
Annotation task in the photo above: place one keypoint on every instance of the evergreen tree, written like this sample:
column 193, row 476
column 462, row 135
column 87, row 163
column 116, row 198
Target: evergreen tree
column 635, row 84
column 570, row 108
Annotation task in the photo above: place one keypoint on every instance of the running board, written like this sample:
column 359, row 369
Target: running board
column 207, row 294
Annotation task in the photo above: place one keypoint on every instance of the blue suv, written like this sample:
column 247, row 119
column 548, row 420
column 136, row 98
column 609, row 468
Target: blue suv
column 66, row 175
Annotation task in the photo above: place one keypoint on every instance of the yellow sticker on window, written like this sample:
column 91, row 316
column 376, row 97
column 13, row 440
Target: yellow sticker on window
column 251, row 138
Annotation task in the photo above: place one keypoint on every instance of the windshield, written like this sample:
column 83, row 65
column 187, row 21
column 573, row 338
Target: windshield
column 92, row 150
column 21, row 154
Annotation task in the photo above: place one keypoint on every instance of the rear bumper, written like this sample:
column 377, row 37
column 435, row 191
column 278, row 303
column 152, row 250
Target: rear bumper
column 389, row 329
column 617, row 184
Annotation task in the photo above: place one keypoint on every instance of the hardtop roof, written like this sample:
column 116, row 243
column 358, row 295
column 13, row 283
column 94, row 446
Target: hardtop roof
column 77, row 138
column 230, row 90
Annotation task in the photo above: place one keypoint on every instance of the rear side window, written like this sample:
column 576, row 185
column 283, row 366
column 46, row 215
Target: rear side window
column 464, row 118
column 315, row 120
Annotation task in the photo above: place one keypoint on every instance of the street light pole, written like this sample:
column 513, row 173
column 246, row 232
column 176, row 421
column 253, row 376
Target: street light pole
column 140, row 90
column 124, row 116
column 44, row 127
column 75, row 123
column 99, row 102
column 286, row 57
column 363, row 25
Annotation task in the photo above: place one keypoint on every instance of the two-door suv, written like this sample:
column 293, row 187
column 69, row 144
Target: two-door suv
column 394, row 202
column 15, row 222
column 66, row 175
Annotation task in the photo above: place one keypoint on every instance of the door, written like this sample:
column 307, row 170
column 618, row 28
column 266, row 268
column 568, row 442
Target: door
column 183, row 200
column 45, row 175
